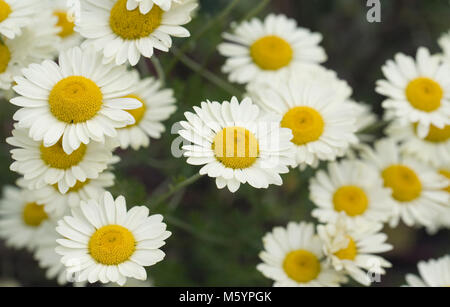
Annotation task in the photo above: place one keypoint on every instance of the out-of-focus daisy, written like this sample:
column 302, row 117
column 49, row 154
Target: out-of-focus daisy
column 157, row 105
column 78, row 100
column 353, row 189
column 124, row 35
column 237, row 144
column 65, row 24
column 351, row 249
column 323, row 124
column 21, row 218
column 103, row 242
column 433, row 273
column 42, row 165
column 417, row 190
column 260, row 50
column 293, row 257
column 57, row 203
column 146, row 5
column 418, row 91
column 434, row 149
column 15, row 15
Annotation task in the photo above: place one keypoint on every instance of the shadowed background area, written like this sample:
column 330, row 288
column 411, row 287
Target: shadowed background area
column 217, row 235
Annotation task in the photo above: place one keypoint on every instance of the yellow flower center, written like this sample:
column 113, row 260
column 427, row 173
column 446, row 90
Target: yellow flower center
column 5, row 10
column 348, row 253
column 307, row 124
column 112, row 245
column 131, row 25
column 301, row 266
column 75, row 99
column 350, row 199
column 65, row 23
column 138, row 113
column 403, row 181
column 424, row 94
column 78, row 186
column 236, row 147
column 5, row 57
column 438, row 135
column 446, row 174
column 33, row 214
column 55, row 157
column 271, row 52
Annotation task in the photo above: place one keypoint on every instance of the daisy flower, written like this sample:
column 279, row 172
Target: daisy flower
column 350, row 188
column 417, row 190
column 418, row 91
column 157, row 105
column 260, row 50
column 21, row 218
column 293, row 257
column 323, row 124
column 103, row 242
column 42, row 165
column 237, row 144
column 433, row 273
column 57, row 203
column 78, row 100
column 124, row 35
column 351, row 249
column 15, row 15
column 65, row 24
column 146, row 5
column 433, row 149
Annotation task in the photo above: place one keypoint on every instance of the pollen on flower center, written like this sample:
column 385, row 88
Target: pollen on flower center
column 301, row 265
column 424, row 94
column 131, row 25
column 403, row 181
column 34, row 214
column 445, row 173
column 75, row 99
column 5, row 10
column 350, row 199
column 236, row 147
column 307, row 124
column 65, row 23
column 112, row 245
column 138, row 113
column 55, row 156
column 5, row 57
column 271, row 52
column 348, row 253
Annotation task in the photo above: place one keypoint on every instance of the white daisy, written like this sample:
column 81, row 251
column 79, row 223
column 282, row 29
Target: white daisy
column 351, row 188
column 103, row 242
column 433, row 273
column 41, row 165
column 124, row 35
column 78, row 99
column 293, row 257
column 351, row 249
column 237, row 144
column 418, row 91
column 260, row 50
column 417, row 190
column 21, row 218
column 65, row 24
column 57, row 203
column 323, row 124
column 434, row 149
column 15, row 15
column 157, row 105
column 146, row 5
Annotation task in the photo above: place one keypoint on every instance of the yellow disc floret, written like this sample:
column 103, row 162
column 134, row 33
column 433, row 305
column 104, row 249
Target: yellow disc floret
column 75, row 99
column 350, row 199
column 65, row 23
column 112, row 245
column 438, row 135
column 236, row 147
column 307, row 124
column 403, row 181
column 445, row 173
column 55, row 156
column 5, row 10
column 348, row 253
column 131, row 25
column 138, row 113
column 34, row 214
column 5, row 57
column 301, row 266
column 424, row 94
column 271, row 52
